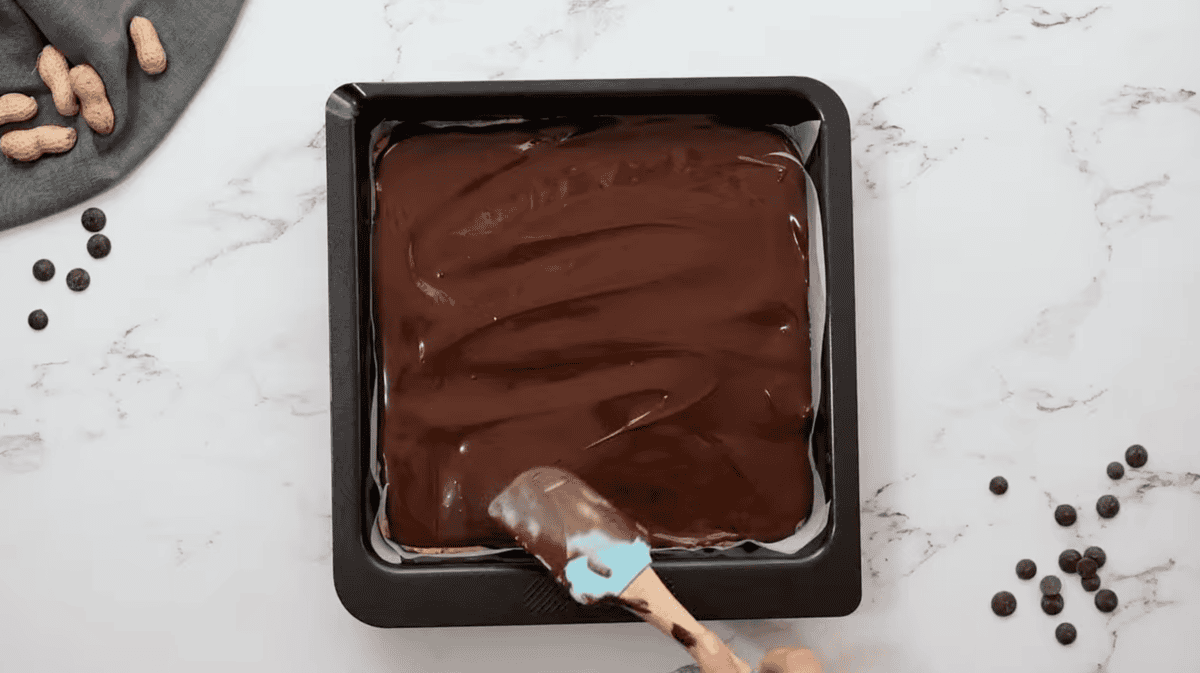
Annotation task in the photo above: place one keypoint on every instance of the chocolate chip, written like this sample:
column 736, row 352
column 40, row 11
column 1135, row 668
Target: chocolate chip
column 1065, row 633
column 1064, row 515
column 1106, row 600
column 93, row 219
column 1086, row 567
column 1068, row 559
column 1096, row 554
column 1116, row 470
column 78, row 280
column 1026, row 569
column 99, row 246
column 1090, row 583
column 43, row 269
column 1108, row 506
column 1052, row 605
column 1136, row 455
column 38, row 319
column 1051, row 585
column 1004, row 603
column 999, row 485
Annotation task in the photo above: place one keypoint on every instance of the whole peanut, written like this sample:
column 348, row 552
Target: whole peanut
column 52, row 66
column 149, row 50
column 16, row 107
column 98, row 114
column 30, row 144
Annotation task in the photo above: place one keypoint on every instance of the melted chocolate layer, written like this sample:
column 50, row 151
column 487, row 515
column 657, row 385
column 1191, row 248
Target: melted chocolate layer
column 626, row 301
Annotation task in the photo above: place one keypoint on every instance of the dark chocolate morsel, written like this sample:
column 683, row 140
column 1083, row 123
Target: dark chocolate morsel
column 1068, row 560
column 1051, row 585
column 999, row 485
column 1004, row 603
column 1090, row 583
column 1106, row 600
column 1086, row 567
column 1096, row 554
column 1108, row 506
column 99, row 246
column 1052, row 605
column 93, row 219
column 1064, row 515
column 1116, row 470
column 1065, row 633
column 1026, row 569
column 1136, row 455
column 43, row 269
column 78, row 280
column 38, row 319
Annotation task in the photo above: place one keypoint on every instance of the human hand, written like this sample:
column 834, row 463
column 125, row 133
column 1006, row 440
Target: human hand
column 778, row 660
column 789, row 660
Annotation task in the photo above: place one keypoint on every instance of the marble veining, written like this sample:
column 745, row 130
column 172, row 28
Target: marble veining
column 1025, row 197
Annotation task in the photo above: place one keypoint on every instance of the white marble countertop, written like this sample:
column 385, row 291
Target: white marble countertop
column 1026, row 192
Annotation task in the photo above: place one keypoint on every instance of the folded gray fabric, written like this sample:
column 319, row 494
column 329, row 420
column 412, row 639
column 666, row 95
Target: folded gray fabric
column 96, row 32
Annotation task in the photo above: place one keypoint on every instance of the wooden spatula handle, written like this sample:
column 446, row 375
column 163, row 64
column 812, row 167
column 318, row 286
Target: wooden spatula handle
column 659, row 608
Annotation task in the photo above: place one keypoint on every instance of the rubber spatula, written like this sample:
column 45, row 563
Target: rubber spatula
column 599, row 553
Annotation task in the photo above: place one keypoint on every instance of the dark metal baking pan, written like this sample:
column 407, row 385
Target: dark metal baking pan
column 823, row 579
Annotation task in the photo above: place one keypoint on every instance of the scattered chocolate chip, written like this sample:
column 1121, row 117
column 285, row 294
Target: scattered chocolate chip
column 1136, row 455
column 1052, row 605
column 43, row 269
column 1065, row 633
column 1064, row 515
column 99, row 246
column 93, row 219
column 1108, row 506
column 999, row 485
column 38, row 319
column 1004, row 603
column 1090, row 583
column 1068, row 559
column 1096, row 554
column 1086, row 567
column 78, row 280
column 1106, row 600
column 1116, row 470
column 1026, row 569
column 1051, row 585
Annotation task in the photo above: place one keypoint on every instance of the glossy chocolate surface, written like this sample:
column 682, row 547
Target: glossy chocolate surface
column 624, row 299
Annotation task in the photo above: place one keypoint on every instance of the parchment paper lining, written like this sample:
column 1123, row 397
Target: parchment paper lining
column 804, row 138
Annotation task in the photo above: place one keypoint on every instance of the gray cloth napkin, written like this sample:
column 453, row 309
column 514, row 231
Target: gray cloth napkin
column 193, row 32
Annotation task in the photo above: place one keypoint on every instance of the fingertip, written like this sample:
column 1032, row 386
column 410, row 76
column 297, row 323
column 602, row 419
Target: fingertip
column 803, row 661
column 790, row 660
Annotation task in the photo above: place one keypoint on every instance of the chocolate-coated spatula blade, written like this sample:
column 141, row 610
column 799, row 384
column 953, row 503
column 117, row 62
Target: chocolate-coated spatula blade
column 589, row 546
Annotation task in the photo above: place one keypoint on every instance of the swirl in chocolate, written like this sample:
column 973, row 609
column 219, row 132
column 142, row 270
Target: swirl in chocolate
column 622, row 298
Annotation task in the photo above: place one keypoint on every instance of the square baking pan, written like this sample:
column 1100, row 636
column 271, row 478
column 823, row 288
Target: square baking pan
column 747, row 582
